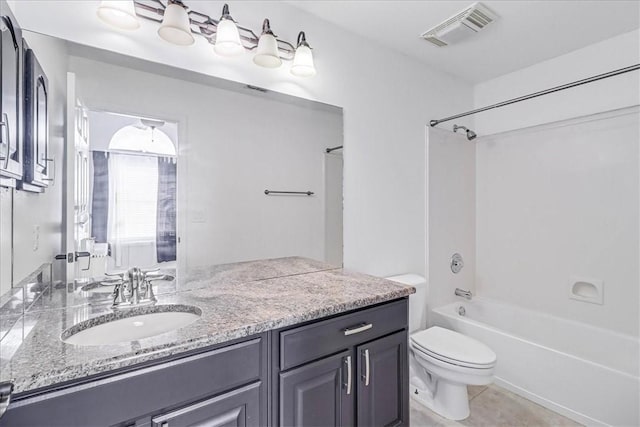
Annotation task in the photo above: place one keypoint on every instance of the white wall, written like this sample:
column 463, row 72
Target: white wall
column 604, row 95
column 451, row 214
column 387, row 100
column 6, row 208
column 232, row 147
column 562, row 200
column 43, row 210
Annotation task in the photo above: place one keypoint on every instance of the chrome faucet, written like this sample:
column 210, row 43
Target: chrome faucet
column 464, row 294
column 134, row 289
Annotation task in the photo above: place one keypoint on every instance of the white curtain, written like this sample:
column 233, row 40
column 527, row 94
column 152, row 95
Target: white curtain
column 133, row 198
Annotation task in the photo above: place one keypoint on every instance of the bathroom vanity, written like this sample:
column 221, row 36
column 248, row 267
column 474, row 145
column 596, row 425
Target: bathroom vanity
column 279, row 342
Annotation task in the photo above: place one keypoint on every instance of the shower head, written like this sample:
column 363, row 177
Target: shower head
column 470, row 134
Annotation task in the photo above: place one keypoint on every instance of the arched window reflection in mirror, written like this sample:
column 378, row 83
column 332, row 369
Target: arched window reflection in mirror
column 145, row 139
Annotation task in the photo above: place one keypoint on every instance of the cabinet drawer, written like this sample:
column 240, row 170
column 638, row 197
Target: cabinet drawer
column 131, row 395
column 310, row 342
column 240, row 407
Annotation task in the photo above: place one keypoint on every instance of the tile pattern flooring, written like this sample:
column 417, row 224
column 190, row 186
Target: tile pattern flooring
column 493, row 406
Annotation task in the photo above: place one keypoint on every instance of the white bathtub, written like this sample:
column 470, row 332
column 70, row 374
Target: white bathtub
column 589, row 374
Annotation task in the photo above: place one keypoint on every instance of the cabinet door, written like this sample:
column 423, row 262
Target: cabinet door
column 318, row 394
column 383, row 382
column 239, row 408
column 11, row 88
column 37, row 168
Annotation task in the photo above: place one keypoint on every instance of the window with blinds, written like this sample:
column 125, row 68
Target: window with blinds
column 134, row 192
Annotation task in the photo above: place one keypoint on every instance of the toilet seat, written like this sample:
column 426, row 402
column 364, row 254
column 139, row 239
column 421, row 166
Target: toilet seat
column 453, row 348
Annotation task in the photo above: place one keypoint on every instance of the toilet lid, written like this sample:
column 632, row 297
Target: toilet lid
column 452, row 346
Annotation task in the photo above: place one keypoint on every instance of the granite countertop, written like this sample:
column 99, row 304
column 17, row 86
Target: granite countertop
column 237, row 300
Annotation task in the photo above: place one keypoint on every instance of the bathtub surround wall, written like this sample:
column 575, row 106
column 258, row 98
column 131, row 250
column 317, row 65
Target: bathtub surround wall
column 451, row 214
column 563, row 203
column 557, row 203
column 387, row 99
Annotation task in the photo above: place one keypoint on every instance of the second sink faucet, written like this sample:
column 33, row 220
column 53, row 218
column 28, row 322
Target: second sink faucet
column 464, row 294
column 134, row 289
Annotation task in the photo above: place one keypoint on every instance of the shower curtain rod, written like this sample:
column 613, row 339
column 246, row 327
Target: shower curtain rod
column 540, row 93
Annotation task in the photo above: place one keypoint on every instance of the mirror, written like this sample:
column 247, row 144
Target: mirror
column 251, row 177
column 126, row 175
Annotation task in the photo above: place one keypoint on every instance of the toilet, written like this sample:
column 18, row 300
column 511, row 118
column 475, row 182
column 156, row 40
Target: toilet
column 442, row 362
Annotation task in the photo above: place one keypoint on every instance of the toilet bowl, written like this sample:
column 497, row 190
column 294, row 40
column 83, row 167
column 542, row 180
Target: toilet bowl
column 442, row 362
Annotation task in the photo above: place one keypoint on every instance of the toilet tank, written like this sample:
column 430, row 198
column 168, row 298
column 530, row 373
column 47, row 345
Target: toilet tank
column 417, row 301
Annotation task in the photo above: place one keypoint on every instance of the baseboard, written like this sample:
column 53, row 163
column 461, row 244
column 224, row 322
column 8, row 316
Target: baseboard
column 562, row 410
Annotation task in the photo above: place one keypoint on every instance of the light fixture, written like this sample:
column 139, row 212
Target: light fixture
column 227, row 35
column 119, row 13
column 176, row 27
column 178, row 24
column 267, row 54
column 303, row 59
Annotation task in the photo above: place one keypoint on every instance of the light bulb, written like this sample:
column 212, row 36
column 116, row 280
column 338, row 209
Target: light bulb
column 303, row 59
column 119, row 13
column 176, row 27
column 227, row 36
column 267, row 54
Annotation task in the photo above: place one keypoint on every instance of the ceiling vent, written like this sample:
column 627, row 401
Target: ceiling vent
column 460, row 26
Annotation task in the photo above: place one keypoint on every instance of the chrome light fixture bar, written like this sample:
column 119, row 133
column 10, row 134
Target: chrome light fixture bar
column 178, row 24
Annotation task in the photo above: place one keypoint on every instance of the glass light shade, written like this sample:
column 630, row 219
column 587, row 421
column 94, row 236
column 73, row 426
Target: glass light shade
column 303, row 62
column 228, row 39
column 175, row 26
column 148, row 140
column 267, row 54
column 119, row 13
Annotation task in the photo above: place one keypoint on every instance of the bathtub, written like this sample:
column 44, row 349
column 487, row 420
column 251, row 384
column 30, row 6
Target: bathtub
column 589, row 374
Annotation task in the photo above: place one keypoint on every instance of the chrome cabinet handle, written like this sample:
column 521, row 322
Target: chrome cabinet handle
column 4, row 124
column 347, row 361
column 357, row 329
column 6, row 389
column 366, row 367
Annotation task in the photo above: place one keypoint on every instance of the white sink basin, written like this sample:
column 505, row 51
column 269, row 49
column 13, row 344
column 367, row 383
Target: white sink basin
column 131, row 324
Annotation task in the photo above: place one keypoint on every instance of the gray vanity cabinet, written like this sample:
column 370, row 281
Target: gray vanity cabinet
column 348, row 370
column 220, row 386
column 382, row 396
column 318, row 394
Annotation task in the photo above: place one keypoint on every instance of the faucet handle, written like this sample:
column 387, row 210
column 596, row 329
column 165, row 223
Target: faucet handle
column 117, row 294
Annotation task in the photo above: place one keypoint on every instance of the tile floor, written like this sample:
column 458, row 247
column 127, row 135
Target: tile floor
column 493, row 406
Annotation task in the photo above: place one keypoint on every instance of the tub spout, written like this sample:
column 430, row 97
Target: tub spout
column 464, row 294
